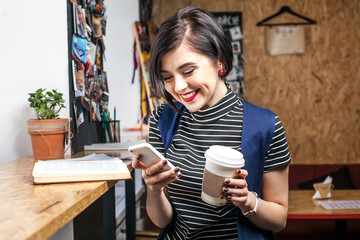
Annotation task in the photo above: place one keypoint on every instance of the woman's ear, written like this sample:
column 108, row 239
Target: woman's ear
column 220, row 65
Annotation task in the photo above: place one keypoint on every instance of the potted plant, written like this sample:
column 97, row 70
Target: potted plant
column 48, row 130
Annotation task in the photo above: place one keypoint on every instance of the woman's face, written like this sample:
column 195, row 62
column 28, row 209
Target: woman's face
column 192, row 78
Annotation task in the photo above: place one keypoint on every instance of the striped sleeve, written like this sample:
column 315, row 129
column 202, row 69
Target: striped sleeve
column 278, row 154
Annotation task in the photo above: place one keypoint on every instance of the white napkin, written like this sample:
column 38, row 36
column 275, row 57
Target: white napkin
column 317, row 195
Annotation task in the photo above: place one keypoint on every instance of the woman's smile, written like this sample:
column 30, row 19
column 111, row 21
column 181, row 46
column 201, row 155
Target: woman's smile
column 187, row 97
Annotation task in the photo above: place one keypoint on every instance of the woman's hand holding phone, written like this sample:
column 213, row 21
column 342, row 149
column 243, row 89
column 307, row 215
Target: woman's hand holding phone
column 157, row 171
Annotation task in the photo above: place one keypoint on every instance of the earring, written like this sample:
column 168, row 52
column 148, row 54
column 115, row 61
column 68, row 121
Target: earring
column 222, row 72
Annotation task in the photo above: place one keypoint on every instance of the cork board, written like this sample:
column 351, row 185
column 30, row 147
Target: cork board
column 315, row 94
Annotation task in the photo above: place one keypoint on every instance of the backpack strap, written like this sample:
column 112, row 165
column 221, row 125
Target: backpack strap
column 168, row 124
column 257, row 133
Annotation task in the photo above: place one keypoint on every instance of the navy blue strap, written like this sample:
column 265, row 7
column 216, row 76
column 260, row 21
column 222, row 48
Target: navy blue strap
column 257, row 133
column 169, row 123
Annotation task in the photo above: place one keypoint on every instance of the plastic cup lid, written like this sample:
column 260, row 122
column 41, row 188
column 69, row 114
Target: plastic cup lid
column 225, row 156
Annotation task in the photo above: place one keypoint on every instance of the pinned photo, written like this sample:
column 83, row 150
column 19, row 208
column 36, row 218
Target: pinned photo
column 236, row 60
column 235, row 86
column 104, row 83
column 97, row 28
column 232, row 75
column 79, row 48
column 235, row 33
column 81, row 22
column 239, row 71
column 78, row 78
column 236, row 47
column 79, row 113
column 79, row 87
column 90, row 59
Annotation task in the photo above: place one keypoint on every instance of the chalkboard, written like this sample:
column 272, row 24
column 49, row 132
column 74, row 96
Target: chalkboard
column 232, row 23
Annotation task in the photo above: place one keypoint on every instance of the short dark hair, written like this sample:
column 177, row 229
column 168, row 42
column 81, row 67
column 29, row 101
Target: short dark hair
column 201, row 31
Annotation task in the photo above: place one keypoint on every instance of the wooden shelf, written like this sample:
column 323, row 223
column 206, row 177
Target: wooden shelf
column 145, row 229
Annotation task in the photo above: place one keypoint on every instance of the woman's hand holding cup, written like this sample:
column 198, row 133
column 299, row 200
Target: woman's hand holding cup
column 221, row 164
column 236, row 188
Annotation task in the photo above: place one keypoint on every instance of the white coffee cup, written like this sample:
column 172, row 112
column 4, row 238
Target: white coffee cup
column 221, row 163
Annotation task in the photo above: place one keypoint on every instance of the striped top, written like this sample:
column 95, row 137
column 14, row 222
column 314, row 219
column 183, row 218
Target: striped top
column 220, row 124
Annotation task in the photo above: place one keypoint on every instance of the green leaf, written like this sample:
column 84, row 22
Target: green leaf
column 46, row 103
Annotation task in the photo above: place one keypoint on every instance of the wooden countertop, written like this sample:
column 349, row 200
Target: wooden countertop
column 30, row 211
column 302, row 206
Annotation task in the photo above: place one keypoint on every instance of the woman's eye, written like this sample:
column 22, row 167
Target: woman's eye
column 164, row 78
column 190, row 71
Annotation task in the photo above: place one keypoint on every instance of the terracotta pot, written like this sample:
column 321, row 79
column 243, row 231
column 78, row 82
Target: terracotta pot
column 48, row 137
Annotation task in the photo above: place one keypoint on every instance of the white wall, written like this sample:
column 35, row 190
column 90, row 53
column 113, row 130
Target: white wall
column 34, row 54
column 119, row 65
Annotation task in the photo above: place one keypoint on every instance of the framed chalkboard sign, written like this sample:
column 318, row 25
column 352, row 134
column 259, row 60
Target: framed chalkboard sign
column 232, row 23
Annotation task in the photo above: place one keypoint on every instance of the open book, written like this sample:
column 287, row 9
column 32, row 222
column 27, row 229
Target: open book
column 121, row 146
column 79, row 170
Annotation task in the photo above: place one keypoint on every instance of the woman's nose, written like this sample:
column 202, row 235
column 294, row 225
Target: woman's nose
column 180, row 84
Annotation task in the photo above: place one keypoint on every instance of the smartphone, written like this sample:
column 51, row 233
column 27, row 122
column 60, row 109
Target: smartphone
column 149, row 155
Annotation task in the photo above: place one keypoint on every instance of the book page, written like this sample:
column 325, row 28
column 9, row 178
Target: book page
column 79, row 167
column 111, row 146
column 92, row 156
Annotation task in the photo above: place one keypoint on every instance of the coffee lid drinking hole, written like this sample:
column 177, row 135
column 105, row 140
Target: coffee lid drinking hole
column 225, row 156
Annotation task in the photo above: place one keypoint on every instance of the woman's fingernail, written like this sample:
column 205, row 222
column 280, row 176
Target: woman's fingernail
column 226, row 189
column 138, row 157
column 227, row 181
column 164, row 162
column 228, row 197
column 239, row 171
column 179, row 175
column 176, row 169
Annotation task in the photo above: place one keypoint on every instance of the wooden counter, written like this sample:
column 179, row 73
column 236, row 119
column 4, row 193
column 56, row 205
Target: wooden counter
column 30, row 211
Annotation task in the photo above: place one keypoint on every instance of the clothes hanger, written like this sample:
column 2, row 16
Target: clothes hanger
column 283, row 10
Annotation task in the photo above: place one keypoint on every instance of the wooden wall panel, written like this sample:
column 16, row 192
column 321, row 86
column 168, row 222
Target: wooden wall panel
column 317, row 94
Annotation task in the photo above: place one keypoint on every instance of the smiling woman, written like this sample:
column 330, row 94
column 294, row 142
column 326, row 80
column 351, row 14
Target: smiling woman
column 190, row 58
column 189, row 32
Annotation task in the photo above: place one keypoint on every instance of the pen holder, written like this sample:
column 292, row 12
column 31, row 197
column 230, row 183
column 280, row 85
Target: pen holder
column 108, row 131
